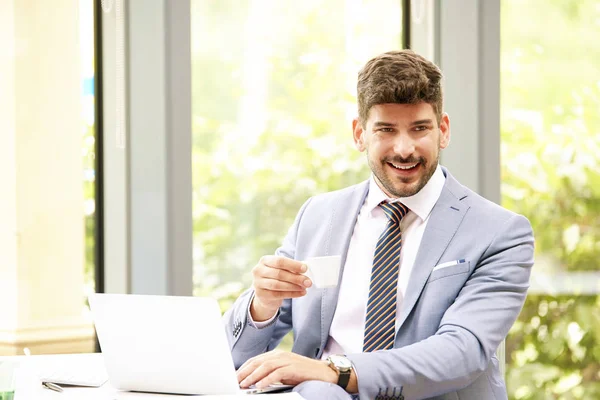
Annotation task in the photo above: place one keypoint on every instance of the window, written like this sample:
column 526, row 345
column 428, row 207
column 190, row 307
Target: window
column 272, row 104
column 47, row 171
column 550, row 97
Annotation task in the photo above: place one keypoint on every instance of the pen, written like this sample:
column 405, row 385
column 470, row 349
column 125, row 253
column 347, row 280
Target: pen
column 52, row 386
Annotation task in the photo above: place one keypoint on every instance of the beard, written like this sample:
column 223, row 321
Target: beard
column 396, row 186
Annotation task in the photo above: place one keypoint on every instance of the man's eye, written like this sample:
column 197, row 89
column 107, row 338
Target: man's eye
column 420, row 128
column 387, row 130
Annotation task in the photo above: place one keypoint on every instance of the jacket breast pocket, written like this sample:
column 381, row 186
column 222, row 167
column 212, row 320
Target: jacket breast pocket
column 442, row 271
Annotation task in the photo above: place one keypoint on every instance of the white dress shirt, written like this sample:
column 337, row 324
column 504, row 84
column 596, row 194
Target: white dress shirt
column 348, row 326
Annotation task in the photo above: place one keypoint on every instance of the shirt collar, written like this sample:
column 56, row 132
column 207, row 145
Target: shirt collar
column 421, row 203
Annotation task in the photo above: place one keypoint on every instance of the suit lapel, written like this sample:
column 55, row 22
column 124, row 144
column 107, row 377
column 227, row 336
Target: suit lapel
column 343, row 220
column 445, row 218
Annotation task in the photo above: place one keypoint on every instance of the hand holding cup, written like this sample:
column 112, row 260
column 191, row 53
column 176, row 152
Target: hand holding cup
column 276, row 278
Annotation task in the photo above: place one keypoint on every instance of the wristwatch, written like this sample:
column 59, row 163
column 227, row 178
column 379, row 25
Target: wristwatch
column 342, row 366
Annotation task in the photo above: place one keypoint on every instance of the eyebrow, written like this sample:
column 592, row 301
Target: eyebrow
column 422, row 122
column 379, row 124
column 383, row 124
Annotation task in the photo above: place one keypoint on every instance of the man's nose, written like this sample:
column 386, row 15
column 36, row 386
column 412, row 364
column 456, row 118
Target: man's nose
column 404, row 146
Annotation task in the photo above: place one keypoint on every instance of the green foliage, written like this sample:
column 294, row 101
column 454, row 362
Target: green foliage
column 555, row 349
column 551, row 174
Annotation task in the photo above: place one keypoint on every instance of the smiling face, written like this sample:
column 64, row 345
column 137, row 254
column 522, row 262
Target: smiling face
column 403, row 143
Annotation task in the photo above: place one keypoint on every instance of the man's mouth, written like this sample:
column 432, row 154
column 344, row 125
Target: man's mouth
column 404, row 167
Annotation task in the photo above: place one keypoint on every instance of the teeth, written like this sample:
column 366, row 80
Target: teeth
column 404, row 167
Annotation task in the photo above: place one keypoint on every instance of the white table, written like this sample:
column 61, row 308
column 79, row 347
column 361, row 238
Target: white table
column 28, row 385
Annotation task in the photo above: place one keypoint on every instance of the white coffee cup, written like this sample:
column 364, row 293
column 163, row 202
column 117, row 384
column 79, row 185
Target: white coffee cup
column 324, row 271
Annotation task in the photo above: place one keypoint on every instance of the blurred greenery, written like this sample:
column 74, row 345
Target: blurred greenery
column 272, row 102
column 550, row 91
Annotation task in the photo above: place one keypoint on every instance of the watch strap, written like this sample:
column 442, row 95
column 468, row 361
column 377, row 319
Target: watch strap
column 343, row 373
column 344, row 378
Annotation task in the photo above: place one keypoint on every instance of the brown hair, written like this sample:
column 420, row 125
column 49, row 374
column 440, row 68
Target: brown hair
column 402, row 77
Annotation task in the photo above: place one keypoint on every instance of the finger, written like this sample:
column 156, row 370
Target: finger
column 263, row 370
column 242, row 373
column 276, row 285
column 286, row 276
column 252, row 363
column 278, row 295
column 261, row 272
column 247, row 368
column 284, row 374
column 288, row 264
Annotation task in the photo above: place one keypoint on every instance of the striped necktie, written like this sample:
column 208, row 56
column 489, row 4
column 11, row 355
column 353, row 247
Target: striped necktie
column 380, row 321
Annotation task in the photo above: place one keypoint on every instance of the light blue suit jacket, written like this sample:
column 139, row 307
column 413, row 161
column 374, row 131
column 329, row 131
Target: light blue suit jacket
column 452, row 319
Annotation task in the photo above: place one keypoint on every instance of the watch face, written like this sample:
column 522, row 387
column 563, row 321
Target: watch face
column 340, row 362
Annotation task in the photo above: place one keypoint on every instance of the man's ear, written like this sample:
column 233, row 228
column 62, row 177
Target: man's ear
column 359, row 135
column 444, row 131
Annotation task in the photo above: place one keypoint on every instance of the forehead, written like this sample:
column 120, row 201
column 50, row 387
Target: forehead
column 400, row 113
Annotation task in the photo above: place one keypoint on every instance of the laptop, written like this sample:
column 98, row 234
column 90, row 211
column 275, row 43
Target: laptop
column 166, row 344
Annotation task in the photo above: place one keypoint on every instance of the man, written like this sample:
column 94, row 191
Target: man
column 433, row 274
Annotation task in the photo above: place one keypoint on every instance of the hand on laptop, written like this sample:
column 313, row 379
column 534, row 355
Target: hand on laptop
column 276, row 278
column 284, row 367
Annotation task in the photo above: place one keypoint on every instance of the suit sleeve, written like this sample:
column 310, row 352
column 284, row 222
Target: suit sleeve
column 247, row 341
column 470, row 330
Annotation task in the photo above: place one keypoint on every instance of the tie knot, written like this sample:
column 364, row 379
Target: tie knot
column 394, row 211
